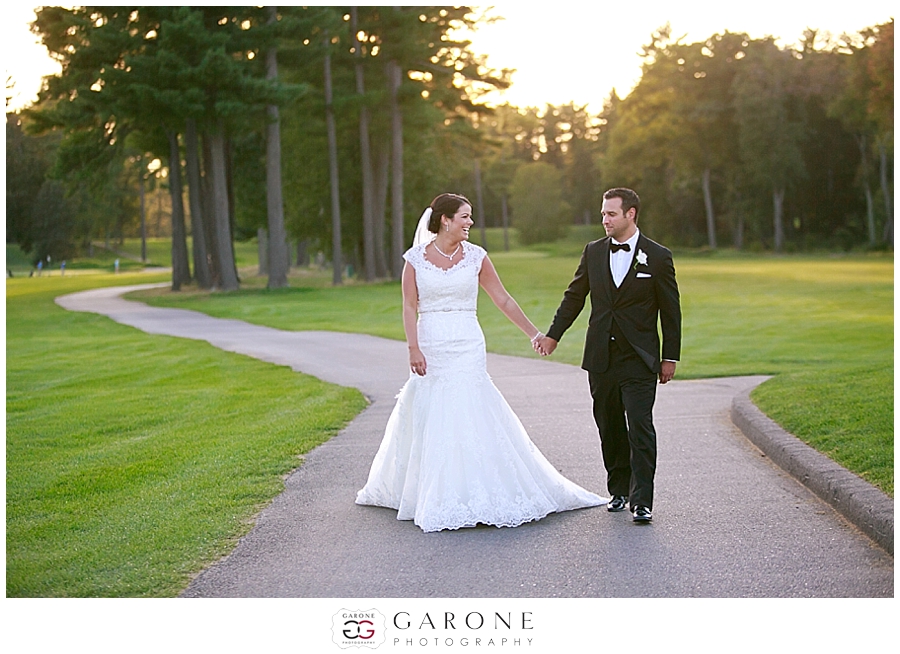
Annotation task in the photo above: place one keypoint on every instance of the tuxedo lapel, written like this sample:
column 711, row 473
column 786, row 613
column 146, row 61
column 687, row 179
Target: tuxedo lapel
column 605, row 273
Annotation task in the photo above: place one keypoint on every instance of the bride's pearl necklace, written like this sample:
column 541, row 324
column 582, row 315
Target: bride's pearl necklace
column 444, row 254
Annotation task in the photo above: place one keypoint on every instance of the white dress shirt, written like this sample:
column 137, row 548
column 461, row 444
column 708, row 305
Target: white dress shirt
column 620, row 261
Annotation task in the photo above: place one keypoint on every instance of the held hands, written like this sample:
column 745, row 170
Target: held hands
column 417, row 361
column 544, row 345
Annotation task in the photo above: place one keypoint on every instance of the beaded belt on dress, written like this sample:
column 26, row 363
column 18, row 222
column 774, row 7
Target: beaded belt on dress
column 446, row 311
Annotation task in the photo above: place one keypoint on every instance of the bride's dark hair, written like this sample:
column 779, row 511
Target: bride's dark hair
column 446, row 204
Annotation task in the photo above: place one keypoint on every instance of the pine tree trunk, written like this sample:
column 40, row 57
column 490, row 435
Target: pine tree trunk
column 181, row 271
column 864, row 174
column 886, row 192
column 159, row 212
column 398, row 245
column 232, row 216
column 382, row 166
column 870, row 213
column 209, row 214
column 221, row 213
column 262, row 251
column 336, row 252
column 738, row 233
column 710, row 216
column 143, row 214
column 303, row 253
column 778, row 202
column 479, row 212
column 200, row 248
column 368, row 195
column 278, row 252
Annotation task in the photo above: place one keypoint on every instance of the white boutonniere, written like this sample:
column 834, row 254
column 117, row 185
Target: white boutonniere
column 641, row 257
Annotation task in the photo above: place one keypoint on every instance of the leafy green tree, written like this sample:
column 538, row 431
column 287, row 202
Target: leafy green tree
column 500, row 172
column 29, row 161
column 855, row 83
column 577, row 140
column 540, row 213
column 91, row 157
column 640, row 142
column 566, row 137
column 705, row 129
column 420, row 137
column 880, row 103
column 825, row 206
column 55, row 223
column 734, row 129
column 149, row 70
column 770, row 125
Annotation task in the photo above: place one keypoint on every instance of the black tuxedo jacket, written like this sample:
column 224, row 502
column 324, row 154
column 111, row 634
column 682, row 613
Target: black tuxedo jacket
column 648, row 296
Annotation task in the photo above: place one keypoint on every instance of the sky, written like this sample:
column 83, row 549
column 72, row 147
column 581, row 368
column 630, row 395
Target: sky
column 562, row 51
column 582, row 50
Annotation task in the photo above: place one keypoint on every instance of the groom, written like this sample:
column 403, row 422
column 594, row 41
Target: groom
column 631, row 281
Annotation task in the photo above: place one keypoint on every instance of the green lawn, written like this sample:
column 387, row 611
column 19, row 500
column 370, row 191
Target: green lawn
column 159, row 251
column 134, row 461
column 101, row 261
column 16, row 260
column 822, row 324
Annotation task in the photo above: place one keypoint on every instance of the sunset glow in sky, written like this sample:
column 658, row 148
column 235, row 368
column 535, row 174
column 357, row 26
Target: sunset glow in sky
column 582, row 50
column 562, row 51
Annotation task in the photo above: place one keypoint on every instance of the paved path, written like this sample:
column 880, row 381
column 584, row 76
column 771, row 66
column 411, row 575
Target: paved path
column 727, row 522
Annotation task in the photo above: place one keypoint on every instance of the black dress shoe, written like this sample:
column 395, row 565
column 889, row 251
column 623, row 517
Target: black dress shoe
column 642, row 514
column 617, row 503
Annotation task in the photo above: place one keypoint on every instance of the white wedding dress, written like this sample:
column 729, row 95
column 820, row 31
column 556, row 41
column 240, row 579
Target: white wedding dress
column 454, row 454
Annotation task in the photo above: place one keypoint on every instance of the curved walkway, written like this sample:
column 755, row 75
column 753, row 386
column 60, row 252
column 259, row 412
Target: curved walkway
column 727, row 521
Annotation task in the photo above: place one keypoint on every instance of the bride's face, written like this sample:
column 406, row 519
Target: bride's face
column 460, row 223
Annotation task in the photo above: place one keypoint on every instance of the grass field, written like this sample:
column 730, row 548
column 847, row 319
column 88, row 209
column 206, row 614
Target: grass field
column 134, row 461
column 101, row 261
column 159, row 254
column 159, row 251
column 799, row 318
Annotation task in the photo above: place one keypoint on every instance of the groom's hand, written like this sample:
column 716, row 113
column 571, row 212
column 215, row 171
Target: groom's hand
column 666, row 371
column 546, row 345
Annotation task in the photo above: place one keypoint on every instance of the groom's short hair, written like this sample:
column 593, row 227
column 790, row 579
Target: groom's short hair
column 629, row 198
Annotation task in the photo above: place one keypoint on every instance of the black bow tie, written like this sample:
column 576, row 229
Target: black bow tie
column 615, row 247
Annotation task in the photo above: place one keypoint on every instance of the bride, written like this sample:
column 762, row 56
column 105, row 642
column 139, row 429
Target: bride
column 454, row 454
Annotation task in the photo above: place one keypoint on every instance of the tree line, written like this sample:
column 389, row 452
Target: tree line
column 730, row 141
column 332, row 127
column 777, row 146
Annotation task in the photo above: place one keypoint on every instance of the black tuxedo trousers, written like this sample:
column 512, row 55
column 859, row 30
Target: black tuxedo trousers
column 623, row 397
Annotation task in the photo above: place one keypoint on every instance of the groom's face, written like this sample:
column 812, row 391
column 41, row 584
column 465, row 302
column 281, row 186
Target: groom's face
column 616, row 223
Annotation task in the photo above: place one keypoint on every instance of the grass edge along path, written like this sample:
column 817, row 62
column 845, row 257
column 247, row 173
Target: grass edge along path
column 796, row 317
column 134, row 461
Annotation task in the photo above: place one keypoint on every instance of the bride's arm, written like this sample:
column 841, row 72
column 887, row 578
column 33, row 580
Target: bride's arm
column 410, row 315
column 490, row 282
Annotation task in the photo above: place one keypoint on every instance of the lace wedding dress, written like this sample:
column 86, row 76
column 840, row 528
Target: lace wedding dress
column 454, row 454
